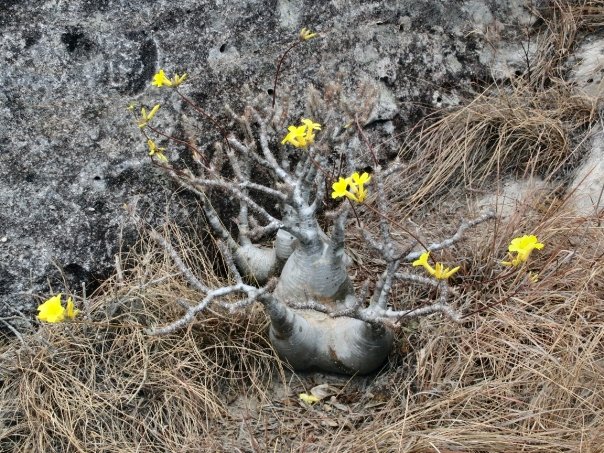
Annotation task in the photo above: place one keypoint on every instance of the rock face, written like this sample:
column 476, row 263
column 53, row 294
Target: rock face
column 587, row 76
column 71, row 156
column 587, row 188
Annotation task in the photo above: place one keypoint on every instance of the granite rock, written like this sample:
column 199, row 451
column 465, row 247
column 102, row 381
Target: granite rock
column 71, row 157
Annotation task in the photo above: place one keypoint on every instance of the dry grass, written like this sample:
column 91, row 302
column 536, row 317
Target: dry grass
column 102, row 384
column 514, row 128
column 524, row 372
column 508, row 131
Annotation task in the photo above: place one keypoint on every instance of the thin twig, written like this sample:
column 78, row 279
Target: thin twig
column 453, row 239
column 278, row 71
column 182, row 267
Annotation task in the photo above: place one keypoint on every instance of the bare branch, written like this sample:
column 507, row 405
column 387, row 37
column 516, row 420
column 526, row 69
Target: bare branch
column 417, row 279
column 182, row 267
column 267, row 153
column 402, row 315
column 228, row 257
column 388, row 244
column 309, row 305
column 260, row 232
column 453, row 239
column 244, row 150
column 251, row 292
column 339, row 225
column 190, row 184
column 319, row 194
column 230, row 186
column 267, row 190
column 381, row 298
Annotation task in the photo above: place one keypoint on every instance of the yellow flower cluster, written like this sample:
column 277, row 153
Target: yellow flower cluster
column 146, row 117
column 53, row 311
column 439, row 270
column 306, row 34
column 308, row 399
column 154, row 150
column 160, row 79
column 302, row 136
column 522, row 246
column 352, row 187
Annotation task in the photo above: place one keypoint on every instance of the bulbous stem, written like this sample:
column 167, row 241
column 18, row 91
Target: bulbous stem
column 312, row 340
column 285, row 244
column 257, row 264
column 315, row 273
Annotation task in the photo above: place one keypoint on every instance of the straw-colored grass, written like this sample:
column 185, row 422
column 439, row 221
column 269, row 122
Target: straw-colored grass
column 509, row 131
column 102, row 384
column 524, row 372
column 513, row 128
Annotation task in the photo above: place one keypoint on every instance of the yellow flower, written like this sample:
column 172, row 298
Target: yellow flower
column 522, row 246
column 154, row 150
column 423, row 261
column 295, row 136
column 308, row 399
column 52, row 310
column 442, row 273
column 310, row 125
column 177, row 80
column 361, row 179
column 71, row 312
column 352, row 187
column 306, row 34
column 340, row 188
column 358, row 182
column 146, row 117
column 301, row 136
column 525, row 245
column 160, row 79
column 439, row 271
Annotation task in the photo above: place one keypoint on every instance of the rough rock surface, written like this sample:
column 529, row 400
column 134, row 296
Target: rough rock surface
column 514, row 197
column 587, row 76
column 587, row 188
column 587, row 65
column 70, row 156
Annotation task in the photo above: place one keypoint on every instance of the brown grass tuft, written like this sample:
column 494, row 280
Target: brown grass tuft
column 504, row 132
column 514, row 128
column 102, row 384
